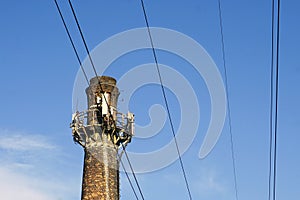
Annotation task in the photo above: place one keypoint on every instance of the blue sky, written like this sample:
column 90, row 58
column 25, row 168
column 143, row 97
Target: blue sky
column 38, row 69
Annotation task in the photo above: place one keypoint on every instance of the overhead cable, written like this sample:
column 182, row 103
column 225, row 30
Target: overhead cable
column 81, row 67
column 271, row 102
column 94, row 68
column 227, row 99
column 165, row 100
column 131, row 185
column 132, row 171
column 276, row 99
column 71, row 40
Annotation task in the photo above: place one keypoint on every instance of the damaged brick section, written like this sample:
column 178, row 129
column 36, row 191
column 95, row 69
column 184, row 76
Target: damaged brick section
column 101, row 174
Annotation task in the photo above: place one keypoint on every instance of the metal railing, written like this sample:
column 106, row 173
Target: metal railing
column 87, row 123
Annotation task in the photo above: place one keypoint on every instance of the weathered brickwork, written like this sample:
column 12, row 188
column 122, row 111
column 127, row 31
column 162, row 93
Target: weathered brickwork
column 101, row 130
column 101, row 174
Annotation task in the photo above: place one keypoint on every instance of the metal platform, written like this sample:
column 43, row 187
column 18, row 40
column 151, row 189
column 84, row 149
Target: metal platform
column 89, row 126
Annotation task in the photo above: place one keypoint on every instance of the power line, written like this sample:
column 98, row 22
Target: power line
column 135, row 194
column 271, row 102
column 165, row 99
column 94, row 68
column 274, row 111
column 132, row 171
column 80, row 63
column 82, row 37
column 276, row 98
column 88, row 52
column 71, row 40
column 227, row 99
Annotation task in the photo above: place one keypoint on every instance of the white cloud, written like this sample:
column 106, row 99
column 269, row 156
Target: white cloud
column 23, row 142
column 209, row 184
column 31, row 168
column 204, row 182
column 23, row 151
column 17, row 186
column 21, row 166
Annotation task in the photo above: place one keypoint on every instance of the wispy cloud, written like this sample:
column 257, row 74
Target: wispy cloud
column 17, row 185
column 204, row 182
column 30, row 168
column 24, row 151
column 210, row 184
column 23, row 142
